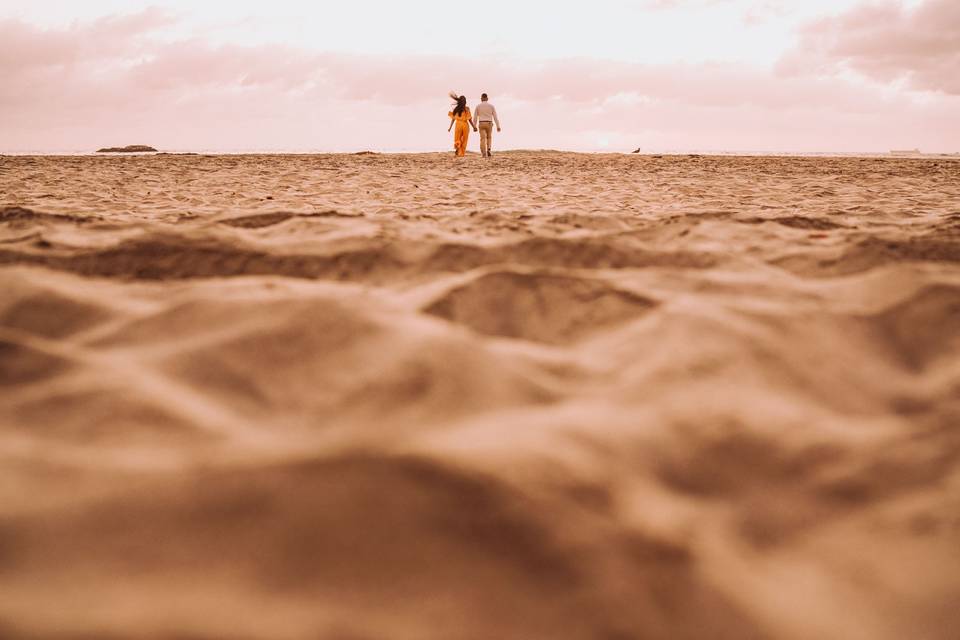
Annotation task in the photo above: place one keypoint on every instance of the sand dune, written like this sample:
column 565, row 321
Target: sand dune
column 549, row 395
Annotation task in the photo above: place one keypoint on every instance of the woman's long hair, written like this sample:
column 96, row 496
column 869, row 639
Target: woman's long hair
column 461, row 105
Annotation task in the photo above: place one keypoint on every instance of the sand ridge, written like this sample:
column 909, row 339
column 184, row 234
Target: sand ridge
column 548, row 395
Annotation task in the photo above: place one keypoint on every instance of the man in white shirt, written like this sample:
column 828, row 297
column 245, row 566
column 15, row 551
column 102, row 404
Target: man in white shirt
column 486, row 115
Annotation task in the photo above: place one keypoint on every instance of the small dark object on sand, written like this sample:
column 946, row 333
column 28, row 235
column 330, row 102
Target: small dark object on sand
column 637, row 150
column 133, row 148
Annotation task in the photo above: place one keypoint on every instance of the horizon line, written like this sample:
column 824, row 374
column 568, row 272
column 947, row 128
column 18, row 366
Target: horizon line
column 892, row 153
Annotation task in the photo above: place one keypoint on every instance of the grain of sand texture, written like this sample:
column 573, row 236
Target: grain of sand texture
column 546, row 396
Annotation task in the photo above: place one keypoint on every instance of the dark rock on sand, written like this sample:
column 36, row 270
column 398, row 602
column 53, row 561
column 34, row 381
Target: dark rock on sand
column 133, row 148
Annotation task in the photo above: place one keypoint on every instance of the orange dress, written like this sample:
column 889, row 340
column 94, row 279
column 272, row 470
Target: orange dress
column 462, row 131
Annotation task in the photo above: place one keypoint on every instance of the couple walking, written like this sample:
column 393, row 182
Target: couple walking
column 483, row 120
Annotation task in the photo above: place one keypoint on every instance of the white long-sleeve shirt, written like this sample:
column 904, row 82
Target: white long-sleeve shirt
column 486, row 112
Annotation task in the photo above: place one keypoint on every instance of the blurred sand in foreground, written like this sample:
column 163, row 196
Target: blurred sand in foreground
column 544, row 396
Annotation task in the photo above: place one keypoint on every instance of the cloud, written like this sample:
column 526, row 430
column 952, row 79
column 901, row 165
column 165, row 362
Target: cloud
column 24, row 47
column 122, row 79
column 886, row 42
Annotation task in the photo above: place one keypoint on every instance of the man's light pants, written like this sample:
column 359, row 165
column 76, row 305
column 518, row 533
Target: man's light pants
column 486, row 138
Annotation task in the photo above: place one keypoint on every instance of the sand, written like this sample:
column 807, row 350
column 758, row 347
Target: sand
column 542, row 396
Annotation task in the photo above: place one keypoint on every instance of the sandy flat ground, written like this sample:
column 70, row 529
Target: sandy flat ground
column 543, row 396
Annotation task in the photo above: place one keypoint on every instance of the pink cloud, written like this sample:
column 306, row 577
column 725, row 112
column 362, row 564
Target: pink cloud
column 114, row 81
column 887, row 42
column 24, row 47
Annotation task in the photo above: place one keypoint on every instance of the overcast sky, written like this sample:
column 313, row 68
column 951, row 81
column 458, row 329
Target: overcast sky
column 712, row 75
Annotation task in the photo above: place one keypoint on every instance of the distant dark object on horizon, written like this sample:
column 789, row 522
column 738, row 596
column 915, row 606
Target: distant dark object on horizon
column 133, row 148
column 637, row 151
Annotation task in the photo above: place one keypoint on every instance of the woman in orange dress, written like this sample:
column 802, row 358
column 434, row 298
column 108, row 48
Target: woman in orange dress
column 464, row 120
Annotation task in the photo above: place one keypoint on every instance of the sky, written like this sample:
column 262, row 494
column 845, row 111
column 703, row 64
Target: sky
column 596, row 75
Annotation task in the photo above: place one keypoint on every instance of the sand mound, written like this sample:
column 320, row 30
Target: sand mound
column 171, row 257
column 258, row 221
column 104, row 417
column 261, row 220
column 936, row 308
column 49, row 314
column 165, row 256
column 542, row 307
column 20, row 217
column 799, row 222
column 592, row 254
column 24, row 364
column 307, row 346
column 476, row 547
column 874, row 252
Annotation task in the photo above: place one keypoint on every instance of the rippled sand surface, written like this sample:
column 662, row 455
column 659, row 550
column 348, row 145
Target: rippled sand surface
column 544, row 396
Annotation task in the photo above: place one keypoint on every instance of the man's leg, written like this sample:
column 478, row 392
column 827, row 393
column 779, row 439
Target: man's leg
column 485, row 129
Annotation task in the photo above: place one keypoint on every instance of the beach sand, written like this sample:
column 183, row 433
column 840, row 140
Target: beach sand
column 361, row 397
